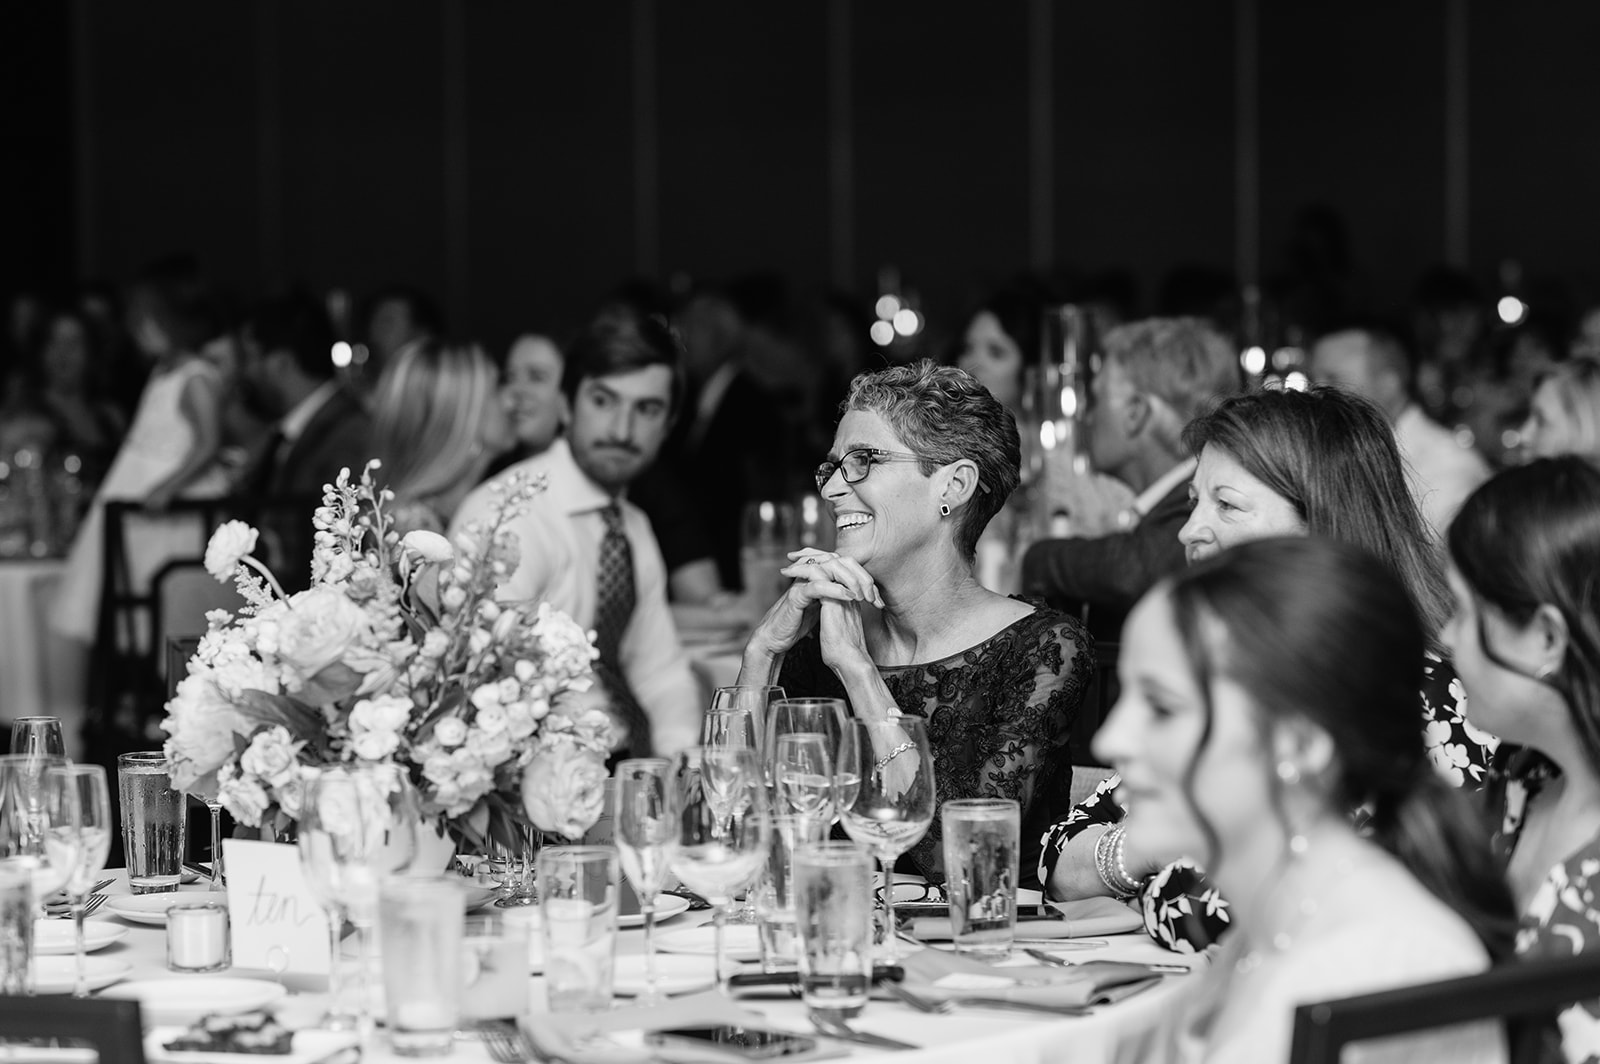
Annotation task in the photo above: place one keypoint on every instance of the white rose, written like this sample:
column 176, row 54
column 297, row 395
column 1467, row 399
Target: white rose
column 245, row 798
column 291, row 795
column 271, row 755
column 374, row 746
column 451, row 731
column 319, row 628
column 230, row 544
column 563, row 790
column 491, row 718
column 519, row 721
column 385, row 713
column 201, row 726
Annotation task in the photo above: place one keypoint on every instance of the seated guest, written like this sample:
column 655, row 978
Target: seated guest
column 1372, row 362
column 588, row 551
column 1276, row 463
column 1156, row 376
column 438, row 420
column 1525, row 637
column 896, row 621
column 1243, row 741
column 65, row 370
column 1564, row 417
column 532, row 383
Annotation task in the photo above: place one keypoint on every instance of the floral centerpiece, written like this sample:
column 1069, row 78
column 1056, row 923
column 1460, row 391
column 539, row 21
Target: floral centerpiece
column 398, row 653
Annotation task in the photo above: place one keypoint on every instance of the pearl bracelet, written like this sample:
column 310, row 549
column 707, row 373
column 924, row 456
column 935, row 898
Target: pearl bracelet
column 883, row 761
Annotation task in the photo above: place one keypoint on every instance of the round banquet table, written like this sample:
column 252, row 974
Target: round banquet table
column 997, row 1037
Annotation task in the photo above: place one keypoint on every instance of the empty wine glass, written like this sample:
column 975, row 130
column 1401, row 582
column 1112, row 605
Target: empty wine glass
column 803, row 769
column 357, row 826
column 37, row 735
column 647, row 838
column 893, row 804
column 756, row 698
column 40, row 821
column 94, row 833
column 817, row 716
column 723, row 826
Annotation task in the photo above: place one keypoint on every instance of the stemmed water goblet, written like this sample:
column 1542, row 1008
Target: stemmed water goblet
column 823, row 717
column 40, row 826
column 357, row 826
column 94, row 832
column 893, row 804
column 723, row 827
column 803, row 771
column 647, row 837
column 37, row 735
column 755, row 698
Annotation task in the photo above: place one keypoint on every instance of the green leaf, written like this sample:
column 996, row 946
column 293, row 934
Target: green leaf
column 303, row 722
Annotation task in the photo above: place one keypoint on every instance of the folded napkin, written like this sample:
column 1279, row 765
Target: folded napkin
column 941, row 976
column 585, row 1038
column 1080, row 919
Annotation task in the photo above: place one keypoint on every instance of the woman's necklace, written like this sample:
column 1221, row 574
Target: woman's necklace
column 1295, row 902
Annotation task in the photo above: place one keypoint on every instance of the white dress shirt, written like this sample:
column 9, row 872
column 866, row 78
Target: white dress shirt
column 561, row 531
column 1440, row 471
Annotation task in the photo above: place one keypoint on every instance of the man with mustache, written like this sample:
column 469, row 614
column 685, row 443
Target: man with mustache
column 588, row 551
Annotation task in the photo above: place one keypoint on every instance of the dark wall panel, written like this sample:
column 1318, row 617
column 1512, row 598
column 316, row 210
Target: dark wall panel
column 743, row 111
column 1144, row 136
column 361, row 105
column 941, row 121
column 1352, row 116
column 550, row 144
column 1535, row 162
column 174, row 155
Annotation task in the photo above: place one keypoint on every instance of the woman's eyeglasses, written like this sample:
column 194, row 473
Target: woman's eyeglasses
column 855, row 465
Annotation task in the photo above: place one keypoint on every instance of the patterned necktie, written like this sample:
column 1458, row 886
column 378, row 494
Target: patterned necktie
column 615, row 596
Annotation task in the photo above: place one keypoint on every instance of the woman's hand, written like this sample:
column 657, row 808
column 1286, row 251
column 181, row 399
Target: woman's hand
column 818, row 576
column 844, row 639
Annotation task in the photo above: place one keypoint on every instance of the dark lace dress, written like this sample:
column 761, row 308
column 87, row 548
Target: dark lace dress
column 999, row 720
column 1183, row 909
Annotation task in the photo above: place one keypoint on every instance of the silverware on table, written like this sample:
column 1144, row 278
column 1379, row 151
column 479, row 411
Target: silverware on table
column 839, row 1030
column 504, row 1042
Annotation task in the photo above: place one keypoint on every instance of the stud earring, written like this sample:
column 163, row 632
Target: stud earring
column 944, row 509
column 1289, row 772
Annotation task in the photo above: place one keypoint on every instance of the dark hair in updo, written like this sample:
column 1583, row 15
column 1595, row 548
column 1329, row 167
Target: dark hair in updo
column 943, row 414
column 1324, row 632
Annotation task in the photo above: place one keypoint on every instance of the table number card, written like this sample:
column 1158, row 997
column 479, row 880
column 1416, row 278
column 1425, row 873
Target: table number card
column 277, row 922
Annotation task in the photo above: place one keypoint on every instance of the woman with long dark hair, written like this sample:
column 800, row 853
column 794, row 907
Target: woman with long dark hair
column 1266, row 692
column 1525, row 636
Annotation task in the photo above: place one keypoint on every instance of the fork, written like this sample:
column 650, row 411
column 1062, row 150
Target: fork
column 921, row 1004
column 505, row 1044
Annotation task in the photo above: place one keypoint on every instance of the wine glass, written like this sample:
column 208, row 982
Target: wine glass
column 803, row 770
column 756, row 698
column 893, row 803
column 94, row 832
column 208, row 794
column 722, row 827
column 817, row 716
column 647, row 837
column 40, row 822
column 357, row 826
column 37, row 735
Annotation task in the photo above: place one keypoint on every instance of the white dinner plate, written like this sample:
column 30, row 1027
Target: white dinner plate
column 741, row 941
column 183, row 1000
column 152, row 908
column 58, row 975
column 667, row 906
column 308, row 1046
column 675, row 974
column 55, row 937
column 479, row 897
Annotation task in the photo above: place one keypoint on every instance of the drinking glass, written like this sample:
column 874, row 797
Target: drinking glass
column 578, row 897
column 154, row 822
column 647, row 836
column 357, row 826
column 893, row 803
column 37, row 735
column 208, row 795
column 515, row 858
column 755, row 698
column 94, row 833
column 16, row 925
column 774, row 897
column 815, row 716
column 495, row 984
column 422, row 924
column 770, row 530
column 833, row 914
column 803, row 769
column 39, row 818
column 722, row 827
column 982, row 837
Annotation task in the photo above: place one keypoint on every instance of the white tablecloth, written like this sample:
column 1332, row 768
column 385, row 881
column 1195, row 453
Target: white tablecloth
column 41, row 673
column 993, row 1036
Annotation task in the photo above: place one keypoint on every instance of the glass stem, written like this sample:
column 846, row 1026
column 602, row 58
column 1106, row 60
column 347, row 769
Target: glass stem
column 719, row 918
column 80, row 986
column 652, row 994
column 215, row 810
column 335, row 969
column 365, row 1021
column 889, row 929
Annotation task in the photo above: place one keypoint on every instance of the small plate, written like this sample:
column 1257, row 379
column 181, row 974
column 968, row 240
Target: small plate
column 58, row 975
column 675, row 974
column 308, row 1046
column 184, row 1000
column 55, row 937
column 479, row 897
column 152, row 908
column 741, row 941
column 667, row 906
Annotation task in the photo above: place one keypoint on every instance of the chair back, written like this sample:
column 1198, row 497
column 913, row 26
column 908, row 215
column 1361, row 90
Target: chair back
column 112, row 1028
column 1532, row 992
column 184, row 593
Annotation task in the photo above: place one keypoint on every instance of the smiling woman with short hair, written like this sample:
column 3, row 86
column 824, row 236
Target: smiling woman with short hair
column 895, row 619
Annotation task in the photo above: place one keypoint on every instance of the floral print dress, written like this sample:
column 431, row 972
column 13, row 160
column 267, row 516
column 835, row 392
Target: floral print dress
column 1563, row 918
column 1183, row 909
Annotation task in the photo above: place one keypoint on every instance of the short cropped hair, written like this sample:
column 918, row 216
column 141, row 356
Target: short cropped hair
column 1184, row 361
column 943, row 414
column 621, row 343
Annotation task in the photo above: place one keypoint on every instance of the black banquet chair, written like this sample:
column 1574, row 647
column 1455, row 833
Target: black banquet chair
column 111, row 1028
column 1529, row 995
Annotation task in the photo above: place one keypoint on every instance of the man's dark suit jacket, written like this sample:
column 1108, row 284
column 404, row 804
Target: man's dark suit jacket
column 1109, row 573
column 338, row 435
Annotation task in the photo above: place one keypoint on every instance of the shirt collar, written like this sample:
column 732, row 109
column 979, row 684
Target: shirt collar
column 293, row 424
column 578, row 494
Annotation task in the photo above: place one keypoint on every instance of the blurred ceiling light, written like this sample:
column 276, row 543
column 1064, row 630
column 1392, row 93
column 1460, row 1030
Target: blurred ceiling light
column 887, row 307
column 341, row 355
column 907, row 322
column 1511, row 309
column 1297, row 381
column 1253, row 359
column 882, row 333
